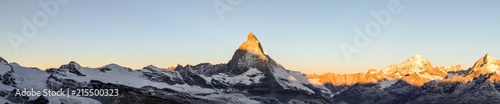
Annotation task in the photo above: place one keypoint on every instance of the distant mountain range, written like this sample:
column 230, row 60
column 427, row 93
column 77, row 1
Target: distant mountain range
column 416, row 81
column 252, row 77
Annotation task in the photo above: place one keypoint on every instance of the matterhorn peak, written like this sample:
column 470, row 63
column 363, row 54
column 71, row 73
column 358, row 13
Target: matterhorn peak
column 252, row 45
column 252, row 37
column 250, row 54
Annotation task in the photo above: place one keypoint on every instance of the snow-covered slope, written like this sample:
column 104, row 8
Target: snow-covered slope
column 416, row 81
column 4, row 65
column 249, row 77
column 252, row 77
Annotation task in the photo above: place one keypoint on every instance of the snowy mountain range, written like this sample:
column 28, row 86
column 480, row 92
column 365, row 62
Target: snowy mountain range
column 249, row 77
column 252, row 77
column 416, row 81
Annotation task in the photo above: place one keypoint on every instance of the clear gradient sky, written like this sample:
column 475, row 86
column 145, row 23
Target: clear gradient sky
column 301, row 35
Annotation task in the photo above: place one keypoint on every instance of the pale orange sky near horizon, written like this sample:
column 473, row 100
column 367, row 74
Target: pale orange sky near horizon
column 305, row 36
column 139, row 65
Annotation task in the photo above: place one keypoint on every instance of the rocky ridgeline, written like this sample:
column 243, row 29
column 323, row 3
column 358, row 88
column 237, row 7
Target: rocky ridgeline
column 249, row 77
column 254, row 77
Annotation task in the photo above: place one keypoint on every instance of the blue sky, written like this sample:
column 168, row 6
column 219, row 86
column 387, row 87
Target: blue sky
column 301, row 35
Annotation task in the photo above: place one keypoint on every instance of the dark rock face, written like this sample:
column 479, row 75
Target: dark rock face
column 190, row 75
column 157, row 77
column 152, row 95
column 3, row 60
column 218, row 85
column 136, row 98
column 55, row 83
column 250, row 54
column 41, row 100
column 477, row 91
column 336, row 89
column 72, row 67
column 206, row 69
column 147, row 94
column 105, row 69
column 243, row 60
column 193, row 79
column 22, row 99
column 266, row 100
column 9, row 79
column 17, row 99
column 3, row 93
column 358, row 94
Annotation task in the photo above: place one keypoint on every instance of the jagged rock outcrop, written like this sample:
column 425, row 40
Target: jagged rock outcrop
column 9, row 79
column 3, row 60
column 4, row 66
column 17, row 99
column 41, row 100
column 70, row 68
column 250, row 55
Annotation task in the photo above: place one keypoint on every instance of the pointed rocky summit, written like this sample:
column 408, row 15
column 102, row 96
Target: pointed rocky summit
column 485, row 60
column 250, row 54
column 484, row 65
column 252, row 45
column 72, row 67
column 4, row 65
